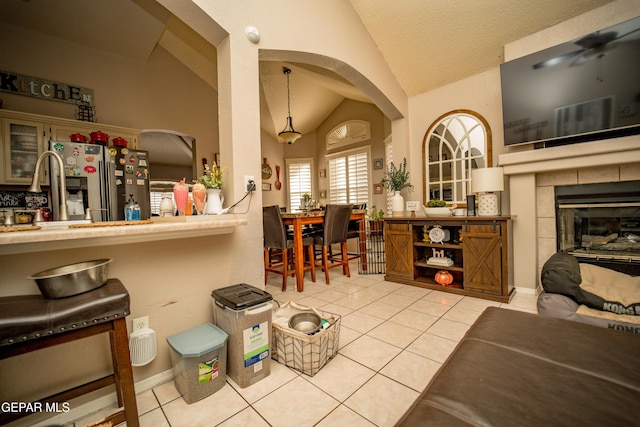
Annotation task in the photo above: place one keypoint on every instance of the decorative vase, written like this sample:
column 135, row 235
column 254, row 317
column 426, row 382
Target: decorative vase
column 181, row 196
column 166, row 205
column 199, row 193
column 397, row 204
column 215, row 198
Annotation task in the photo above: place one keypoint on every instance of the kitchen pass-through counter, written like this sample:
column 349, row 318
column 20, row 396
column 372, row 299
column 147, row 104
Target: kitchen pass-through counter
column 50, row 237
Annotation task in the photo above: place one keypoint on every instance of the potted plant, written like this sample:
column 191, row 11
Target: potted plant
column 212, row 182
column 437, row 207
column 305, row 201
column 375, row 219
column 395, row 180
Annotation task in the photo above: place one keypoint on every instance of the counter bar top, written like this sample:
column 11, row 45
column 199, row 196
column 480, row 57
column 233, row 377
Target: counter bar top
column 56, row 238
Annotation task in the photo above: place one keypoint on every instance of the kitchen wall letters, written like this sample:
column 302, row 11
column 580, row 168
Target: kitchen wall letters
column 36, row 87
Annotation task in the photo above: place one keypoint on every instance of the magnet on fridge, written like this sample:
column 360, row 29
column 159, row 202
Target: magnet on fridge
column 113, row 152
column 132, row 159
column 142, row 163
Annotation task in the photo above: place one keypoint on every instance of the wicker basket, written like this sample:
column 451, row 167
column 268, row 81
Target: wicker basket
column 297, row 350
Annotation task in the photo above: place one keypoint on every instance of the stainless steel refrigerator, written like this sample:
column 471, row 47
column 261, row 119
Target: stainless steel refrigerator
column 84, row 171
column 127, row 173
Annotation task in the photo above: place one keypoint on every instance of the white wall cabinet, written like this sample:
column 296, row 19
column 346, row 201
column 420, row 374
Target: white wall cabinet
column 22, row 143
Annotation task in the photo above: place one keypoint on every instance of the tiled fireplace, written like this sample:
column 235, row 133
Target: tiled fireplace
column 537, row 173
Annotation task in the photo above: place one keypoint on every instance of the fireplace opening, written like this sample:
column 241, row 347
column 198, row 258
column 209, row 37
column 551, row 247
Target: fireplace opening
column 600, row 224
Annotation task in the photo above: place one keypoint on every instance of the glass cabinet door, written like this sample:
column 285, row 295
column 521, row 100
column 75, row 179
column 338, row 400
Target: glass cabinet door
column 22, row 144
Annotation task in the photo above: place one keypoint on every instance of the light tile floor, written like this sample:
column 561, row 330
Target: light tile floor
column 393, row 339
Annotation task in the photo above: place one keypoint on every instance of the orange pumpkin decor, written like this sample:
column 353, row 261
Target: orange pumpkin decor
column 444, row 278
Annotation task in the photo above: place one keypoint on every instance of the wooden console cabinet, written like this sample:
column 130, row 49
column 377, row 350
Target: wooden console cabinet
column 478, row 246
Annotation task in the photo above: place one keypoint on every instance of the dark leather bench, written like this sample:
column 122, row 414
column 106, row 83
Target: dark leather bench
column 31, row 322
column 515, row 368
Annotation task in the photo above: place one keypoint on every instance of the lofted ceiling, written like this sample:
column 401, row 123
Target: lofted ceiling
column 427, row 43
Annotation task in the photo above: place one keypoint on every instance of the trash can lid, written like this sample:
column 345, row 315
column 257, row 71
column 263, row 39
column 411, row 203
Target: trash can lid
column 240, row 296
column 197, row 341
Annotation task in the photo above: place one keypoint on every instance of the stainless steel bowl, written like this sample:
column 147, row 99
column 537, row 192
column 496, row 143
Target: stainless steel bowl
column 72, row 279
column 308, row 322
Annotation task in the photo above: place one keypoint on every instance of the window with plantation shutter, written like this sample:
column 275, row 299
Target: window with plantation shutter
column 349, row 176
column 299, row 177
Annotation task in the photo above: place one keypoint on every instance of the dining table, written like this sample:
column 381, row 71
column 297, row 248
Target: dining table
column 299, row 219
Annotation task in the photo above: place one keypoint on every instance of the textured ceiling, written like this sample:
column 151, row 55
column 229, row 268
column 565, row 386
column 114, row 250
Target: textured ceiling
column 428, row 43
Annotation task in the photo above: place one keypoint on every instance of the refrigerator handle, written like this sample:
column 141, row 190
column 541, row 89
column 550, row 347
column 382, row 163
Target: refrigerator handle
column 105, row 190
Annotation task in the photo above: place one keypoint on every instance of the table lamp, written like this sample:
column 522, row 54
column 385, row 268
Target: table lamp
column 486, row 182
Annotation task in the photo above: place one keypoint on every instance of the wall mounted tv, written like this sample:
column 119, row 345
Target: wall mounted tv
column 582, row 90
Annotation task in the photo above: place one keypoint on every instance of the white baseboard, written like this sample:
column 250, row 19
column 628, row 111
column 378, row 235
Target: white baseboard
column 104, row 401
column 525, row 291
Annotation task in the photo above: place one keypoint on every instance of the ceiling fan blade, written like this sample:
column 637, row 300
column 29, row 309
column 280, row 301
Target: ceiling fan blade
column 558, row 59
column 591, row 54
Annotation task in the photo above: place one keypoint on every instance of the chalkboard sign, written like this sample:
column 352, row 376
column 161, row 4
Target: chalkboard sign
column 23, row 199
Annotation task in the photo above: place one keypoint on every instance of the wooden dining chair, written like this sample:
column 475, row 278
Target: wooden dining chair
column 353, row 232
column 336, row 224
column 275, row 239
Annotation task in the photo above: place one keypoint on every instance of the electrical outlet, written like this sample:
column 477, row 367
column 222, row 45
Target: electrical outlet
column 249, row 183
column 141, row 323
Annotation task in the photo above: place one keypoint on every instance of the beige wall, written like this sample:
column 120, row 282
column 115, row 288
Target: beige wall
column 480, row 93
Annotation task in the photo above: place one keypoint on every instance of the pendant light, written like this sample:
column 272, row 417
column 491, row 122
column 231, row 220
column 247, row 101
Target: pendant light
column 288, row 134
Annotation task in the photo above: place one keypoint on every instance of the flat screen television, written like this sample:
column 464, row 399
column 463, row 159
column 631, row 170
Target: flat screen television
column 578, row 91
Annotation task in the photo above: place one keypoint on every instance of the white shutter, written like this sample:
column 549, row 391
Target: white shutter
column 349, row 177
column 299, row 173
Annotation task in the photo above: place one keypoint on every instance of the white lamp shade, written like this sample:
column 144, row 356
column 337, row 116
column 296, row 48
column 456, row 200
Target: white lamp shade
column 485, row 180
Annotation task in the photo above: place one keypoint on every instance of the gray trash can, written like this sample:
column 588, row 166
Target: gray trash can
column 244, row 312
column 199, row 358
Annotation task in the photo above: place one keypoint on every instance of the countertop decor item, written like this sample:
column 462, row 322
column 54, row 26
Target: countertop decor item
column 395, row 180
column 181, row 196
column 199, row 192
column 437, row 208
column 487, row 183
column 444, row 278
column 212, row 177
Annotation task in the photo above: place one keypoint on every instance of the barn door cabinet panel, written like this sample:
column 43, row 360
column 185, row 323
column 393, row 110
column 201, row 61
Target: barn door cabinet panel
column 398, row 243
column 475, row 251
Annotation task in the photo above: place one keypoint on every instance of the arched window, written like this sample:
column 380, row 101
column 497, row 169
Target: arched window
column 455, row 143
column 347, row 133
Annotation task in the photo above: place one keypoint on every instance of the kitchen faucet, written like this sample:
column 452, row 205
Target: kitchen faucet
column 35, row 183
